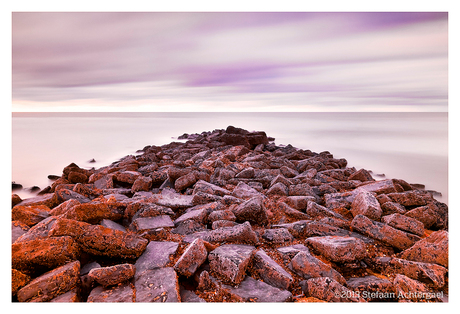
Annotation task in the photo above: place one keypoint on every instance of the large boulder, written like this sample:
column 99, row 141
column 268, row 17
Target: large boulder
column 433, row 249
column 100, row 240
column 156, row 255
column 330, row 290
column 157, row 285
column 366, row 204
column 307, row 266
column 404, row 223
column 30, row 215
column 43, row 254
column 339, row 249
column 383, row 232
column 270, row 271
column 112, row 275
column 51, row 284
column 251, row 290
column 253, row 211
column 194, row 255
column 229, row 262
column 372, row 288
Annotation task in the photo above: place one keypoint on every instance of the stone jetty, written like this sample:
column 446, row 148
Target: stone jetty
column 228, row 216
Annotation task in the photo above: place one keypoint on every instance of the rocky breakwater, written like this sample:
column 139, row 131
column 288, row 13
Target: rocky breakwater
column 228, row 216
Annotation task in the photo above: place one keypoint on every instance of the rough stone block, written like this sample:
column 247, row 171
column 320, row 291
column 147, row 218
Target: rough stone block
column 339, row 249
column 270, row 271
column 51, row 284
column 308, row 266
column 229, row 262
column 251, row 290
column 156, row 255
column 433, row 249
column 366, row 204
column 404, row 223
column 192, row 258
column 158, row 285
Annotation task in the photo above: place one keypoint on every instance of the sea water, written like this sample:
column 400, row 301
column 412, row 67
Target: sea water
column 408, row 146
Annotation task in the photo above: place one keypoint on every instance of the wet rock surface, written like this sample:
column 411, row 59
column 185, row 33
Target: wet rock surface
column 228, row 216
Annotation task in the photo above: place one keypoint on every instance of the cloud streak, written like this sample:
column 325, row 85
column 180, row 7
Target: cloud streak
column 230, row 61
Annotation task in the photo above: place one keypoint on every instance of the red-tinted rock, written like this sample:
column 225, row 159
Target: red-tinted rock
column 251, row 290
column 185, row 181
column 239, row 233
column 18, row 280
column 15, row 199
column 270, row 271
column 192, row 258
column 317, row 211
column 142, row 184
column 40, row 230
column 149, row 223
column 366, row 204
column 77, row 177
column 410, row 289
column 105, row 182
column 99, row 240
column 328, row 289
column 425, row 214
column 404, row 223
column 278, row 189
column 425, row 272
column 222, row 223
column 244, row 191
column 221, row 215
column 389, row 208
column 158, row 285
column 372, row 288
column 291, row 212
column 48, row 199
column 382, row 232
column 246, row 173
column 409, row 198
column 229, row 262
column 109, row 276
column 253, row 211
column 43, row 254
column 380, row 187
column 299, row 202
column 64, row 207
column 30, row 215
column 339, row 249
column 175, row 173
column 121, row 293
column 51, row 284
column 209, row 188
column 93, row 212
column 280, row 235
column 339, row 200
column 156, row 255
column 18, row 229
column 307, row 266
column 127, row 176
column 361, row 175
column 433, row 249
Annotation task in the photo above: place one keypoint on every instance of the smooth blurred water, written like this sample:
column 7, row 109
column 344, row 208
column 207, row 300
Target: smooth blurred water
column 408, row 146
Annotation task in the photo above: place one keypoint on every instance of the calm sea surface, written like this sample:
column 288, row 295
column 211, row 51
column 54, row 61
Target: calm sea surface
column 408, row 146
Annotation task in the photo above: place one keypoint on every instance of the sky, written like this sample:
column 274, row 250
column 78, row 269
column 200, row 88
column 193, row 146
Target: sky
column 224, row 61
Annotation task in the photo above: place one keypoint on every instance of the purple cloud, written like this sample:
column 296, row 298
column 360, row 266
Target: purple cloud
column 187, row 57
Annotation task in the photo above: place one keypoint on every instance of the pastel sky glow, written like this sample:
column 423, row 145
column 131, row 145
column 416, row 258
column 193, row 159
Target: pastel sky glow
column 229, row 61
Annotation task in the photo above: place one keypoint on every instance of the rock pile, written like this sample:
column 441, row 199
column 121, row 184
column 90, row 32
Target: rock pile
column 228, row 216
